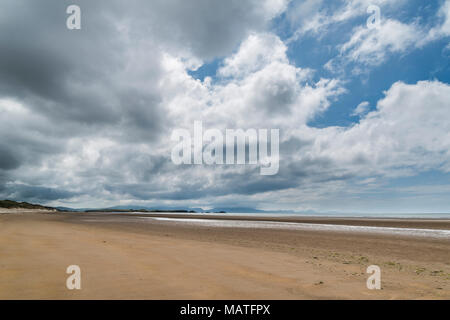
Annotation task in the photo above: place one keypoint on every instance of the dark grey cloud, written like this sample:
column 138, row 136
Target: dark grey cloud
column 208, row 28
column 95, row 117
column 71, row 76
column 35, row 193
column 8, row 160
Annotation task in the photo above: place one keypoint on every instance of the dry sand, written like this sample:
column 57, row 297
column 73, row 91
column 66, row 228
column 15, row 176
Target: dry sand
column 123, row 257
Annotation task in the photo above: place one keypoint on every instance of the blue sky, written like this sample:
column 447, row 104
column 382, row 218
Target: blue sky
column 312, row 51
column 88, row 114
column 428, row 63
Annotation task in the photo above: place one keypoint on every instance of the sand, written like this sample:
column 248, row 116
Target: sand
column 123, row 257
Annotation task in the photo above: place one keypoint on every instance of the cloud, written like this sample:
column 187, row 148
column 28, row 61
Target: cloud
column 107, row 165
column 403, row 136
column 8, row 159
column 86, row 116
column 212, row 28
column 442, row 29
column 33, row 193
column 256, row 52
column 268, row 87
column 319, row 18
column 371, row 47
column 361, row 109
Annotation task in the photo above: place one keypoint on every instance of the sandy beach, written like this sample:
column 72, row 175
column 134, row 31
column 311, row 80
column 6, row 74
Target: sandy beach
column 132, row 256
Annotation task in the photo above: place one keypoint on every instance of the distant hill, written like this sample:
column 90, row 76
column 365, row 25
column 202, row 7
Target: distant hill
column 138, row 210
column 134, row 208
column 237, row 210
column 9, row 204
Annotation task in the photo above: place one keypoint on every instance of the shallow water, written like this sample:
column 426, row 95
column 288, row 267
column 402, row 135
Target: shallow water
column 425, row 233
column 325, row 215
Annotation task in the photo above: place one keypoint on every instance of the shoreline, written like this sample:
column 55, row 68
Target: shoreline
column 423, row 223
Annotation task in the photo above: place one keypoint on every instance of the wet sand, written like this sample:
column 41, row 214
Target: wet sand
column 125, row 256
